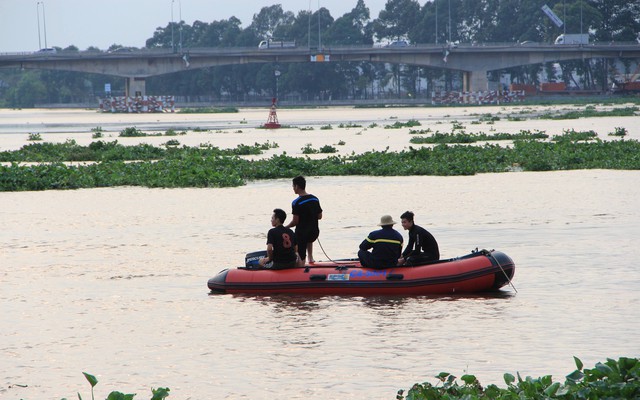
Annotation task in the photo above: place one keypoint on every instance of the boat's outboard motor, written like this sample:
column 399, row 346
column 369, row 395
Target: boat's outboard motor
column 252, row 260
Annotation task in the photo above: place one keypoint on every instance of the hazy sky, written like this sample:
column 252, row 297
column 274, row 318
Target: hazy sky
column 101, row 23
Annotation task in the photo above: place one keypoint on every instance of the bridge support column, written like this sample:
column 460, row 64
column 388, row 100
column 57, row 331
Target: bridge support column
column 135, row 87
column 475, row 81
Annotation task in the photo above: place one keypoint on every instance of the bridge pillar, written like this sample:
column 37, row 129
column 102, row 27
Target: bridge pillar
column 475, row 81
column 135, row 87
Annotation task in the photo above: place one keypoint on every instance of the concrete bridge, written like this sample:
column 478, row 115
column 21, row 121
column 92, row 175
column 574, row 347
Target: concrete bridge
column 474, row 61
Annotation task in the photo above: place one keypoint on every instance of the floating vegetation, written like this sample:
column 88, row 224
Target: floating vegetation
column 113, row 151
column 326, row 149
column 326, row 127
column 34, row 137
column 97, row 132
column 613, row 379
column 590, row 111
column 420, row 132
column 489, row 118
column 349, row 125
column 457, row 126
column 132, row 132
column 212, row 167
column 462, row 137
column 157, row 394
column 208, row 110
column 409, row 124
column 172, row 132
column 574, row 136
column 306, row 128
column 619, row 131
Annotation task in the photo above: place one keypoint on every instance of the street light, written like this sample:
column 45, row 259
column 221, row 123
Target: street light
column 173, row 23
column 319, row 39
column 449, row 21
column 44, row 21
column 38, row 16
column 436, row 3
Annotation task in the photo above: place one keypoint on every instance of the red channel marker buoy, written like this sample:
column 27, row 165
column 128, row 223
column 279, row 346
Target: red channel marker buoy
column 272, row 122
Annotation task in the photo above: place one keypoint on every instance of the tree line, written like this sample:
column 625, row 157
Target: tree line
column 438, row 21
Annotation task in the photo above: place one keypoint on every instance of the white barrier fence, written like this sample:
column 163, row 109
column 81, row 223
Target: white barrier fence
column 141, row 104
column 488, row 97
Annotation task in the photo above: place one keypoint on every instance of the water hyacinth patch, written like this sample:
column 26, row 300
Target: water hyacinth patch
column 613, row 379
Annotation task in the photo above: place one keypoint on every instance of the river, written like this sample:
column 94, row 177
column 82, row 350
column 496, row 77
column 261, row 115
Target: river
column 113, row 282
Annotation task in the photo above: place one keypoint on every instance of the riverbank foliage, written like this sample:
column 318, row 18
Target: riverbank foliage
column 143, row 165
column 613, row 379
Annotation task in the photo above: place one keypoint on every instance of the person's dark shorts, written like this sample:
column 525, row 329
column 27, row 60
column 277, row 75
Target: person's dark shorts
column 288, row 265
column 304, row 239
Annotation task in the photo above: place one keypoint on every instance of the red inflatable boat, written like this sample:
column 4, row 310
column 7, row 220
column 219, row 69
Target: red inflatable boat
column 480, row 271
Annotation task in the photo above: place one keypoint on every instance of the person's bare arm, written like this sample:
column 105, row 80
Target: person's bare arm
column 264, row 260
column 294, row 221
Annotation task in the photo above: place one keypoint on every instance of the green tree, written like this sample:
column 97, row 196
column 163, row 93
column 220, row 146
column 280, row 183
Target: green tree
column 397, row 19
column 28, row 91
column 269, row 20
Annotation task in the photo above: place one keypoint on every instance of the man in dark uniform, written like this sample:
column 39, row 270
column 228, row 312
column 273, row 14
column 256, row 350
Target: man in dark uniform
column 386, row 244
column 282, row 248
column 422, row 245
column 306, row 212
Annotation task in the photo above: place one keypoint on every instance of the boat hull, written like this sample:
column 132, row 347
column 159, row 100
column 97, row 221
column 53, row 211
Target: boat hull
column 477, row 272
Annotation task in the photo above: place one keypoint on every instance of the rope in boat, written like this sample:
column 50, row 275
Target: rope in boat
column 324, row 252
column 503, row 271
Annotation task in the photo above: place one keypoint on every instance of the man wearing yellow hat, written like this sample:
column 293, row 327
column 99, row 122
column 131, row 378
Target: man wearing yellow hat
column 386, row 245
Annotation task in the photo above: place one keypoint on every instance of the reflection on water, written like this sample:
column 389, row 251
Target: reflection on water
column 113, row 282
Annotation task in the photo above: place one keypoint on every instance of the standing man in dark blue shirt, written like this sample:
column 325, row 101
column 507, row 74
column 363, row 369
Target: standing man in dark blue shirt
column 422, row 245
column 306, row 212
column 386, row 244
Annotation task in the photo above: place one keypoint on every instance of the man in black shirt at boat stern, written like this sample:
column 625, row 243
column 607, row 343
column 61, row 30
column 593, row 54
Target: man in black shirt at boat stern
column 282, row 247
column 422, row 245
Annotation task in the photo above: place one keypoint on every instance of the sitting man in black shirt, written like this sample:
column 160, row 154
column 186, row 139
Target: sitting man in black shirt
column 282, row 247
column 422, row 245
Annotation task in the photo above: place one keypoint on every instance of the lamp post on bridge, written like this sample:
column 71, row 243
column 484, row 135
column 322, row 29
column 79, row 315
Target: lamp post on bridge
column 38, row 16
column 44, row 21
column 173, row 47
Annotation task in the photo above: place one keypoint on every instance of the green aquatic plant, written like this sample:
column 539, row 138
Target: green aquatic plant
column 132, row 131
column 409, row 124
column 208, row 110
column 97, row 132
column 613, row 379
column 34, row 137
column 110, row 151
column 213, row 167
column 619, row 131
column 156, row 394
column 462, row 137
column 574, row 136
column 590, row 111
